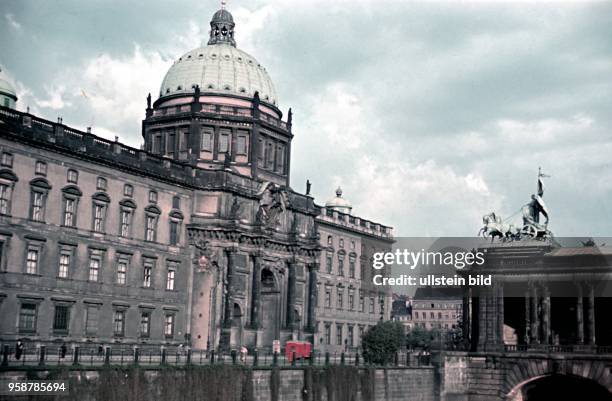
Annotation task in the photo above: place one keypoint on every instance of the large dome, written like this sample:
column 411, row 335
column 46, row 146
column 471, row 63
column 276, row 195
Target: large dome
column 219, row 68
column 8, row 94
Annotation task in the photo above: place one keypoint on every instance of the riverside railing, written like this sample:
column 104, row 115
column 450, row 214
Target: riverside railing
column 83, row 356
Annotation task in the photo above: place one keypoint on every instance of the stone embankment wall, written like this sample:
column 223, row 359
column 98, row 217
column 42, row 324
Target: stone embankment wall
column 236, row 383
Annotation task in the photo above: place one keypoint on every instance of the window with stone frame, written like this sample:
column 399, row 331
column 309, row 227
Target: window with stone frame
column 280, row 158
column 349, row 336
column 269, row 155
column 100, row 202
column 328, row 333
column 33, row 253
column 329, row 262
column 101, row 184
column 145, row 323
column 371, row 304
column 152, row 213
column 126, row 214
column 171, row 144
column 328, row 297
column 40, row 168
column 351, row 267
column 339, row 298
column 92, row 317
column 128, row 190
column 171, row 276
column 7, row 185
column 341, row 264
column 61, row 319
column 28, row 316
column 361, row 303
column 6, row 160
column 147, row 272
column 94, row 268
column 338, row 334
column 261, row 153
column 351, row 300
column 224, row 141
column 242, row 144
column 72, row 176
column 123, row 262
column 65, row 261
column 39, row 188
column 207, row 139
column 152, row 196
column 169, row 325
column 184, row 140
column 119, row 322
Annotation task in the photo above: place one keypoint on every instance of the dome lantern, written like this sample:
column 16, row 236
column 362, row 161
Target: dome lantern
column 339, row 203
column 222, row 28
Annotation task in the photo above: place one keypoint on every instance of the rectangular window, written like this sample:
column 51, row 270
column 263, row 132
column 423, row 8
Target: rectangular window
column 5, row 199
column 328, row 263
column 98, row 220
column 38, row 206
column 147, row 275
column 61, row 319
column 340, row 265
column 27, row 318
column 360, row 332
column 176, row 202
column 352, row 268
column 224, row 145
column 361, row 304
column 122, row 272
column 41, row 168
column 169, row 326
column 280, row 159
column 351, row 301
column 371, row 305
column 340, row 299
column 184, row 144
column 119, row 323
column 32, row 261
column 91, row 320
column 152, row 197
column 338, row 334
column 7, row 159
column 157, row 141
column 69, row 212
column 145, row 324
column 171, row 144
column 151, row 228
column 241, row 145
column 72, row 176
column 270, row 156
column 126, row 216
column 94, row 269
column 170, row 279
column 64, row 264
column 349, row 336
column 128, row 190
column 328, row 334
column 174, row 232
column 328, row 298
column 207, row 141
column 101, row 184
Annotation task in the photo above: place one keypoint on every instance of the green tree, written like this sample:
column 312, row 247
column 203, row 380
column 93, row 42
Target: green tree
column 381, row 342
column 421, row 338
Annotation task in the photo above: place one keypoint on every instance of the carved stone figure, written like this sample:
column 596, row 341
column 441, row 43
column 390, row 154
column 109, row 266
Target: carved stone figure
column 273, row 202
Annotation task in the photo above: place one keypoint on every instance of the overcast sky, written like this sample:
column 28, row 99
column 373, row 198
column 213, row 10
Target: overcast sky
column 428, row 115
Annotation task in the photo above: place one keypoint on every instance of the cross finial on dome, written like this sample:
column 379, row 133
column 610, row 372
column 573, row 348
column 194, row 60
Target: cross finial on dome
column 339, row 192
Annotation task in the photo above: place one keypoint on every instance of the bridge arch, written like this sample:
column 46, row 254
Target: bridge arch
column 559, row 387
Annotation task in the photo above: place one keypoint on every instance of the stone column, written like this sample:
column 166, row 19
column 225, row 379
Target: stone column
column 229, row 289
column 312, row 296
column 546, row 332
column 579, row 315
column 500, row 314
column 535, row 321
column 527, row 331
column 256, row 291
column 591, row 315
column 291, row 295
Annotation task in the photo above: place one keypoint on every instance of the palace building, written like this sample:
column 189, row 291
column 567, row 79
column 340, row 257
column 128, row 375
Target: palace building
column 197, row 238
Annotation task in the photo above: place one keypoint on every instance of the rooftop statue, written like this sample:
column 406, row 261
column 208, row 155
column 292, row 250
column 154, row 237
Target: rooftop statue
column 532, row 228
